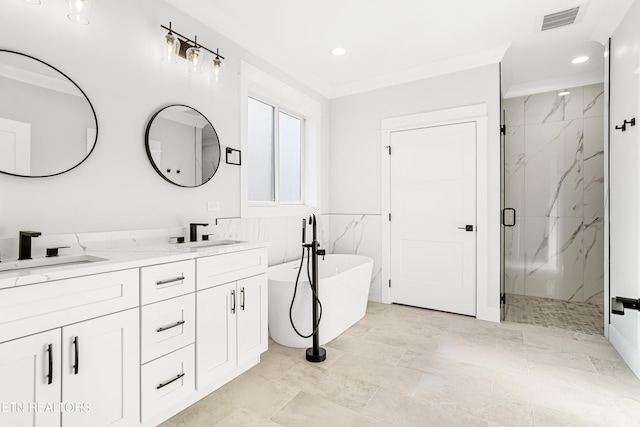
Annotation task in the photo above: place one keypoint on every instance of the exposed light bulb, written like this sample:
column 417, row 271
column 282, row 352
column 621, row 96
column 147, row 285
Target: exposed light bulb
column 564, row 93
column 216, row 69
column 171, row 46
column 193, row 56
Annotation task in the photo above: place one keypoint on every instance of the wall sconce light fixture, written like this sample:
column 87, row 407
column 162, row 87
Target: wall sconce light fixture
column 176, row 45
column 79, row 11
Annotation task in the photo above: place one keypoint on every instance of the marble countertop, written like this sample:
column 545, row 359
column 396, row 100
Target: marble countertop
column 116, row 255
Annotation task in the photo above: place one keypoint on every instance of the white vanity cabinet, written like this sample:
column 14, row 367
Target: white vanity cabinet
column 231, row 305
column 168, row 333
column 99, row 370
column 83, row 369
column 83, row 374
column 30, row 372
column 130, row 347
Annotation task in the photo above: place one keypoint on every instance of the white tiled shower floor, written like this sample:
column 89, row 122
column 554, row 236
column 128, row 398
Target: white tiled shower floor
column 551, row 313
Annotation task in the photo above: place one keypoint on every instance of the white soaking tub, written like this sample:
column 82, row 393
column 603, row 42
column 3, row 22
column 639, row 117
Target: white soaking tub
column 343, row 290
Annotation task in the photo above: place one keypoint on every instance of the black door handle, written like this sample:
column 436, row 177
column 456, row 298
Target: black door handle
column 466, row 228
column 76, row 367
column 512, row 217
column 50, row 374
column 176, row 378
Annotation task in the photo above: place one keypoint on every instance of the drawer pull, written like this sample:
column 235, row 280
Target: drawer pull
column 242, row 299
column 176, row 378
column 233, row 301
column 166, row 282
column 50, row 374
column 76, row 350
column 164, row 328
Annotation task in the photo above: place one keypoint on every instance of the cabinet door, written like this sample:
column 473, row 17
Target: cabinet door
column 100, row 369
column 252, row 317
column 216, row 332
column 30, row 374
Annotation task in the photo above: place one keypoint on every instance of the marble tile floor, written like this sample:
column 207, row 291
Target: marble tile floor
column 552, row 313
column 404, row 366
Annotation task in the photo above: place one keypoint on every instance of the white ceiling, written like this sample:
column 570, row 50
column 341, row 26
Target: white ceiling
column 392, row 41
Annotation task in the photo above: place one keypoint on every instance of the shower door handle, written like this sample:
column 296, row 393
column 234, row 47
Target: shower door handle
column 508, row 217
column 466, row 228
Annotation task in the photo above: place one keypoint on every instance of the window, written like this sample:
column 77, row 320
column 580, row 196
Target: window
column 276, row 145
column 280, row 140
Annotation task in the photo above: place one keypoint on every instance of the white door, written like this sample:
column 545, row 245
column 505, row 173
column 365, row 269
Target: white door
column 216, row 310
column 101, row 367
column 433, row 200
column 624, row 188
column 252, row 317
column 30, row 374
column 15, row 147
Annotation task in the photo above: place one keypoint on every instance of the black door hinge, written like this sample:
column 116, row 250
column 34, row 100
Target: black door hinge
column 503, row 298
column 503, row 129
column 389, row 282
column 389, row 216
column 389, row 147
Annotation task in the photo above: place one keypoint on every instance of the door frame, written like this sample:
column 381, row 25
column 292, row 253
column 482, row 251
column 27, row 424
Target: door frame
column 477, row 113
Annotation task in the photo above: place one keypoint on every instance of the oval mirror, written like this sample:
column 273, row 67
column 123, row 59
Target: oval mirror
column 47, row 124
column 183, row 146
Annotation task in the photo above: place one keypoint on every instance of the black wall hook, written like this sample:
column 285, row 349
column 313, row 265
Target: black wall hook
column 623, row 127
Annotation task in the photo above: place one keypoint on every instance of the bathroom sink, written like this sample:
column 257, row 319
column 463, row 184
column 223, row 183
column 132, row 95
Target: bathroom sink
column 195, row 246
column 32, row 264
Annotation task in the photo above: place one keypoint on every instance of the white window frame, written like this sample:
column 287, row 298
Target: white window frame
column 277, row 109
column 259, row 85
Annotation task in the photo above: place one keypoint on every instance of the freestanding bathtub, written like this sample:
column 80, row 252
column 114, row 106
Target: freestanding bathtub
column 343, row 290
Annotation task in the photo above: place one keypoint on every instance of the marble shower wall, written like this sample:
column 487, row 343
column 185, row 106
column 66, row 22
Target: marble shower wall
column 554, row 178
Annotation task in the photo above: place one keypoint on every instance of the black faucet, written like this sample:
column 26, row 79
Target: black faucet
column 193, row 231
column 24, row 245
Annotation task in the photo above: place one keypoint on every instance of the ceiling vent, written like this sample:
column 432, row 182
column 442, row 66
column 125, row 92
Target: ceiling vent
column 560, row 19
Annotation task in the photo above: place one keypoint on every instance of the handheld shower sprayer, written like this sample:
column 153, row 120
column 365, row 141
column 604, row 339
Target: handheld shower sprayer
column 304, row 231
column 315, row 353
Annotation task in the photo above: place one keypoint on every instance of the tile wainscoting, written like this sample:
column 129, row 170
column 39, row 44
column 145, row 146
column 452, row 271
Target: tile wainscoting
column 343, row 234
column 361, row 235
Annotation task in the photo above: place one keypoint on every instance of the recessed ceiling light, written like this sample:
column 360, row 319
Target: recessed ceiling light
column 580, row 60
column 338, row 51
column 564, row 93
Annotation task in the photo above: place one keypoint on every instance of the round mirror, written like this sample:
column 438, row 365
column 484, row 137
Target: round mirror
column 183, row 146
column 47, row 124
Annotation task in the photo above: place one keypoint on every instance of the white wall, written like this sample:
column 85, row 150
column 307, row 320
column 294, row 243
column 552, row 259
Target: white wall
column 354, row 189
column 116, row 61
column 623, row 195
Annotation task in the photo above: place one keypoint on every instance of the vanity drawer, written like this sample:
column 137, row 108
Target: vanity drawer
column 224, row 268
column 167, row 326
column 34, row 308
column 164, row 281
column 166, row 381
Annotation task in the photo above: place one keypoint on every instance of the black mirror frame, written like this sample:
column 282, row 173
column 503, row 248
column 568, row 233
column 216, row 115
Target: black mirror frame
column 93, row 111
column 156, row 167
